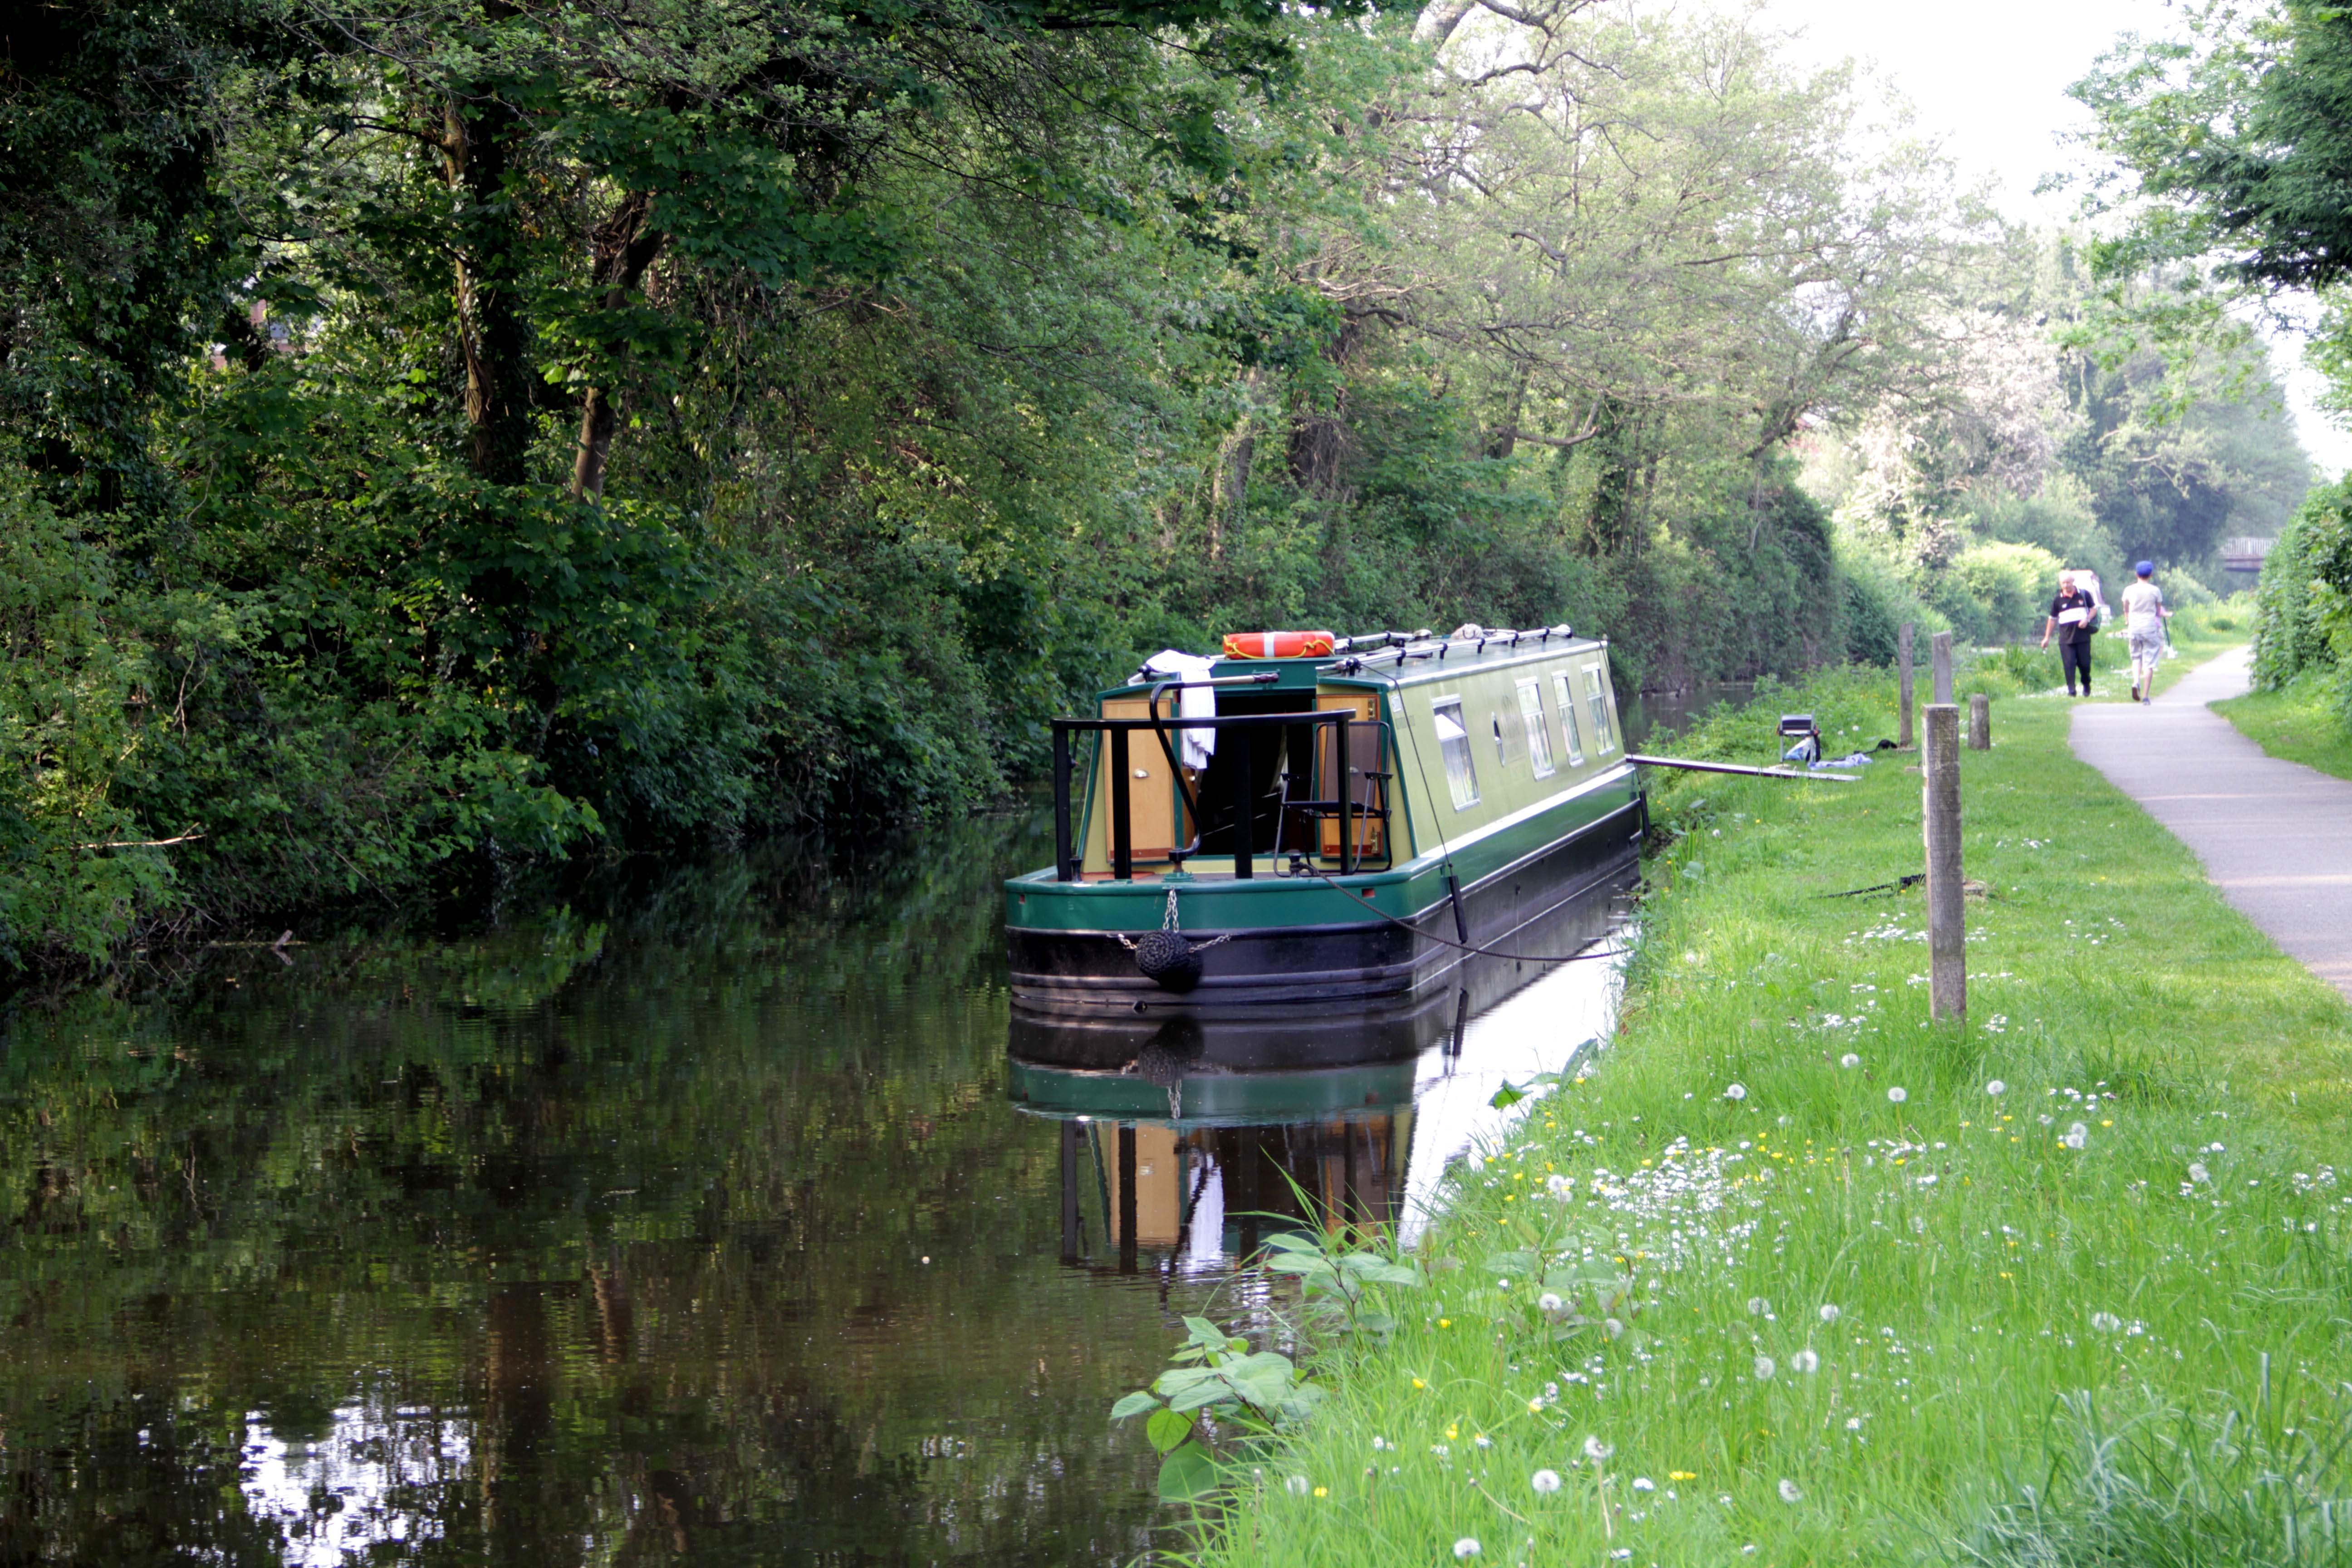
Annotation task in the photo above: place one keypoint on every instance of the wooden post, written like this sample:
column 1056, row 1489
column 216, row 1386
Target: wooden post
column 1947, row 962
column 1939, row 656
column 1903, row 736
column 1980, row 722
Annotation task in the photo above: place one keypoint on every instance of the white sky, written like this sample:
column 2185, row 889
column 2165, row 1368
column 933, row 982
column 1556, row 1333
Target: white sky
column 1989, row 80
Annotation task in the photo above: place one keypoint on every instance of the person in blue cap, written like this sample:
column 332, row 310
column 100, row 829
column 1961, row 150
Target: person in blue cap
column 2144, row 618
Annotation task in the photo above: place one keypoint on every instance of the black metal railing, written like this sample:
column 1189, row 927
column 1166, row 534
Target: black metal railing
column 1240, row 729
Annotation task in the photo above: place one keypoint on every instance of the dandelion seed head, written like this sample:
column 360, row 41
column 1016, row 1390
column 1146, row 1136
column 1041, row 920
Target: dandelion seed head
column 1897, row 1095
column 1849, row 1061
column 1467, row 1547
column 1645, row 1484
column 2075, row 1136
column 1298, row 1485
column 1765, row 1368
column 1758, row 1306
column 1831, row 1312
column 1996, row 1088
column 1596, row 1450
column 2107, row 1322
column 1736, row 1091
column 1550, row 1301
column 2198, row 1173
column 1545, row 1481
column 1805, row 1361
column 1791, row 1491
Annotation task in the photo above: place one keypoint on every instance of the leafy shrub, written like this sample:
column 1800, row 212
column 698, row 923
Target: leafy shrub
column 69, row 686
column 2008, row 586
column 2302, row 616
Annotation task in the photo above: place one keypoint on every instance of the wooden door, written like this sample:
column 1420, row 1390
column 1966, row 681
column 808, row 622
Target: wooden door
column 1155, row 809
column 1363, row 709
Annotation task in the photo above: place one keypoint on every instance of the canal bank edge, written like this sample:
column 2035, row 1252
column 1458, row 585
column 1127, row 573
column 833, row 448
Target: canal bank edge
column 1886, row 1273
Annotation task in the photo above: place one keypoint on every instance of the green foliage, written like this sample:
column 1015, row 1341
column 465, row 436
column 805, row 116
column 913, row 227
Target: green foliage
column 2304, row 603
column 1217, row 1398
column 69, row 685
column 2006, row 590
column 505, row 436
column 2234, row 135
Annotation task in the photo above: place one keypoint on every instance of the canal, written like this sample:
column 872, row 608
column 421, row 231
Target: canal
column 700, row 1216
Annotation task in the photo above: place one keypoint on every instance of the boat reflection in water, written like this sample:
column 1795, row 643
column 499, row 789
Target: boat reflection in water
column 1184, row 1137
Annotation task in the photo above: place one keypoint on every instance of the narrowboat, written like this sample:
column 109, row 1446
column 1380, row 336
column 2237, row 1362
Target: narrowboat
column 1336, row 822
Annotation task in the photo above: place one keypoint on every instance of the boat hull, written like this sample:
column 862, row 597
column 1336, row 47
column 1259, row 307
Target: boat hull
column 1280, row 942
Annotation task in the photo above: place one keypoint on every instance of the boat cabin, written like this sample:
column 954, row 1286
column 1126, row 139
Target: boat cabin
column 1444, row 736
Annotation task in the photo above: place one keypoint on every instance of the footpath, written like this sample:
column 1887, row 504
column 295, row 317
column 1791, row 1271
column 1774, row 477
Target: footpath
column 2275, row 837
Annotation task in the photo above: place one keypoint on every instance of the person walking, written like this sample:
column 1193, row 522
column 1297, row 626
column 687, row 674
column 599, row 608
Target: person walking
column 2144, row 618
column 2072, row 614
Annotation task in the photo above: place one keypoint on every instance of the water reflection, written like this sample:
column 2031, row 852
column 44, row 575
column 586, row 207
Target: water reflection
column 1178, row 1144
column 690, row 1218
column 1654, row 718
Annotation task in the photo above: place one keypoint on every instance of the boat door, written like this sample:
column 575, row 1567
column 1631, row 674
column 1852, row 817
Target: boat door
column 1155, row 805
column 1364, row 780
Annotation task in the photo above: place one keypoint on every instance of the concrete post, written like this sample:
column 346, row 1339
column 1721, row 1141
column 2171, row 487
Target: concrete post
column 1948, row 963
column 1939, row 656
column 1980, row 722
column 1903, row 736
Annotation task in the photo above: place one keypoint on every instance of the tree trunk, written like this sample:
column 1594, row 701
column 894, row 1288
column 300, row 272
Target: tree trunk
column 479, row 133
column 625, row 247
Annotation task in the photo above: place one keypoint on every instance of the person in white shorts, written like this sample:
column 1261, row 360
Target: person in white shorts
column 2144, row 618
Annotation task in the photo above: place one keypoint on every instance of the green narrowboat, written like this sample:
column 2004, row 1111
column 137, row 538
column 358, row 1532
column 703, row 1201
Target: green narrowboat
column 1349, row 825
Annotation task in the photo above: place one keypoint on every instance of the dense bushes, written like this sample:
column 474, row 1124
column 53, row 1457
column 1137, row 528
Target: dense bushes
column 2304, row 602
column 675, row 422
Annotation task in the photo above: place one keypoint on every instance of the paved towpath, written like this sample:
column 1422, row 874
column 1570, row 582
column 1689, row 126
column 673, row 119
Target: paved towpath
column 2275, row 837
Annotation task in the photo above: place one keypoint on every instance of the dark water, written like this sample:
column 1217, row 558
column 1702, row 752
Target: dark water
column 1653, row 718
column 695, row 1221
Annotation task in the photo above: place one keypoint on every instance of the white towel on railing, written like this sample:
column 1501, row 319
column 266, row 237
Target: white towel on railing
column 1193, row 701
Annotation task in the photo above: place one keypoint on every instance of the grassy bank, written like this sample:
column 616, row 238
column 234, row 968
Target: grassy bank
column 2303, row 723
column 2062, row 1285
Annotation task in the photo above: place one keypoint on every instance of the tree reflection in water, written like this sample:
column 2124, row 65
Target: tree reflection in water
column 690, row 1218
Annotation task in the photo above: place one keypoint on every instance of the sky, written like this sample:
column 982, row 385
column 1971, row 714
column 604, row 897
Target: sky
column 1989, row 80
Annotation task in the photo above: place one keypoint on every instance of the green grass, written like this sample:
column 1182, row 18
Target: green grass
column 2132, row 1352
column 2304, row 724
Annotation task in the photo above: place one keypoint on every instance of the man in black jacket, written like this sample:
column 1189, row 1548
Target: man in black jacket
column 2072, row 615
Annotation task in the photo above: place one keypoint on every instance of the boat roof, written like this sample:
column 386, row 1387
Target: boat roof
column 1406, row 659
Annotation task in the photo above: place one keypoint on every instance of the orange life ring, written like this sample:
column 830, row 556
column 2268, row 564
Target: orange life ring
column 1277, row 645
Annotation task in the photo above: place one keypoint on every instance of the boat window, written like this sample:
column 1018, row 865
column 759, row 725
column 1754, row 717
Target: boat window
column 1453, row 745
column 1531, row 714
column 1602, row 742
column 1565, row 695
